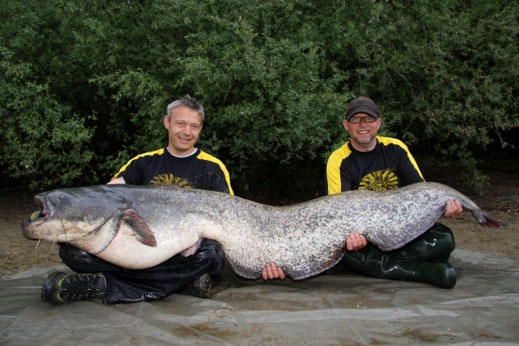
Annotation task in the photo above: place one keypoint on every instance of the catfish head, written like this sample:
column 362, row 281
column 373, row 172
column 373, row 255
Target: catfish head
column 86, row 217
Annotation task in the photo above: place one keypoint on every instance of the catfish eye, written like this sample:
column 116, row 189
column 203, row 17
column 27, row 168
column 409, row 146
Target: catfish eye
column 61, row 196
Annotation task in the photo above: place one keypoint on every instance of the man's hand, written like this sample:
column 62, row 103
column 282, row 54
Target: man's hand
column 271, row 272
column 355, row 242
column 453, row 209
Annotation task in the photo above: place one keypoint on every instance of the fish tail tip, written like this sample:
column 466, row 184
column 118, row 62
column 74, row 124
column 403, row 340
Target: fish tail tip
column 491, row 223
column 486, row 220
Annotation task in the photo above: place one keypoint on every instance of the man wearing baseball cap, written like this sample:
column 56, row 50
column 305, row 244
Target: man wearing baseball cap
column 376, row 163
column 372, row 162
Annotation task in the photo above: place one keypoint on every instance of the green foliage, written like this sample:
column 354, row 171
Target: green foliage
column 449, row 89
column 86, row 84
column 42, row 142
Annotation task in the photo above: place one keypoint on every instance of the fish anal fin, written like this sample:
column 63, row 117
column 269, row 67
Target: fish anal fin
column 244, row 271
column 141, row 229
column 311, row 268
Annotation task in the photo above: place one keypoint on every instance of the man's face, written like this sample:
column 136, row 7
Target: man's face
column 183, row 128
column 362, row 134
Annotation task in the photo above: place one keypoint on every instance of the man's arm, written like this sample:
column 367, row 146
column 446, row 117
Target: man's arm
column 408, row 169
column 412, row 174
column 334, row 182
column 221, row 181
column 117, row 181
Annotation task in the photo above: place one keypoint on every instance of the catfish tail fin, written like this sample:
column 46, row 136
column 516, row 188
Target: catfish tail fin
column 485, row 220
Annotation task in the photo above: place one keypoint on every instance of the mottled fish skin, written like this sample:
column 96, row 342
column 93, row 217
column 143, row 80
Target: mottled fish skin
column 141, row 226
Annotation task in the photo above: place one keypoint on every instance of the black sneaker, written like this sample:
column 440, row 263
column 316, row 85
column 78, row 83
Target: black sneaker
column 62, row 288
column 201, row 287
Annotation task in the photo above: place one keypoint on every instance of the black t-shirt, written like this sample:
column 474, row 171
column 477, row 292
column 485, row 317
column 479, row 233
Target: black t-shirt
column 199, row 170
column 388, row 166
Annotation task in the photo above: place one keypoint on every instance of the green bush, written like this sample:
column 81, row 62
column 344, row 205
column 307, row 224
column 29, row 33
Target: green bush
column 86, row 84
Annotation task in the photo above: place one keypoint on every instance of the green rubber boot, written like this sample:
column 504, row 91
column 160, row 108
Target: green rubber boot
column 373, row 262
column 434, row 245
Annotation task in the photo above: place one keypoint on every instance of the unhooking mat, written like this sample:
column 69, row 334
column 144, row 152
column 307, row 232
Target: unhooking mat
column 340, row 308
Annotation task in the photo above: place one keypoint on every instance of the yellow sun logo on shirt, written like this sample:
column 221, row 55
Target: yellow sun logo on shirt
column 170, row 179
column 381, row 180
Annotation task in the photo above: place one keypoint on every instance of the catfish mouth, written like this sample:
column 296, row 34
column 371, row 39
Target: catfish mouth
column 40, row 216
column 46, row 209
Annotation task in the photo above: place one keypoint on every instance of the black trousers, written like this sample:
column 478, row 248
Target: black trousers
column 127, row 285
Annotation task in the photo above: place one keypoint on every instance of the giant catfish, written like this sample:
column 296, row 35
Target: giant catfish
column 140, row 226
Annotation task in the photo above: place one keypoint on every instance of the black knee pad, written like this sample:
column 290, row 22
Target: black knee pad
column 212, row 251
column 83, row 262
column 69, row 253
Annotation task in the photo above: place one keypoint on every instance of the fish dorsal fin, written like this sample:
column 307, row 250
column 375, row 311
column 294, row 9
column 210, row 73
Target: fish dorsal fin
column 142, row 231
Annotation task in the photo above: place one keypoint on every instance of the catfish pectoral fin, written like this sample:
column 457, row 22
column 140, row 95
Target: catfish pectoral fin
column 140, row 227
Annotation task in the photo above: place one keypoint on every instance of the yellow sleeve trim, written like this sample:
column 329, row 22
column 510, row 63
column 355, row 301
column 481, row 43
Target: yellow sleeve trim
column 333, row 169
column 394, row 141
column 149, row 153
column 207, row 157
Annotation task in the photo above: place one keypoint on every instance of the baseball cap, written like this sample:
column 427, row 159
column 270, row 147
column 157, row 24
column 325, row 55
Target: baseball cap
column 362, row 104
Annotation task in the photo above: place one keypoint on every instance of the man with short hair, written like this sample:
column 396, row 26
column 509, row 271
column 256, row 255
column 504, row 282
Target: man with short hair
column 180, row 163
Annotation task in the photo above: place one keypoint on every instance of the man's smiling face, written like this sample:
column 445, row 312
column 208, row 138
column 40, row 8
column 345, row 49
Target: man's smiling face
column 184, row 127
column 362, row 134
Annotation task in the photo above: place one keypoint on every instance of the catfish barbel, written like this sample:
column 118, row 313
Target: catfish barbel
column 138, row 227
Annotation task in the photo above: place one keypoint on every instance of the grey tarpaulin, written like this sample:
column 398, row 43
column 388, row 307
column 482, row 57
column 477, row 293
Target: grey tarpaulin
column 342, row 308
